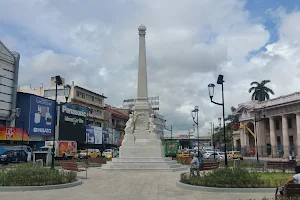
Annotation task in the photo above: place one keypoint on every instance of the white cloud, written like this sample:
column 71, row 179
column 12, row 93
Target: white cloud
column 188, row 44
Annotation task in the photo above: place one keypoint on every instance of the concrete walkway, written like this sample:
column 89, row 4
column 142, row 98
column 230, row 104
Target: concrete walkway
column 131, row 185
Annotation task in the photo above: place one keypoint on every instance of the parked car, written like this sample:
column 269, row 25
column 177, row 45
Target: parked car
column 235, row 155
column 106, row 152
column 206, row 154
column 218, row 156
column 184, row 155
column 13, row 156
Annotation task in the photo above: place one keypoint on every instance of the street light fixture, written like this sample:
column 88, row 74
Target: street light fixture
column 67, row 88
column 195, row 111
column 211, row 89
column 171, row 138
column 190, row 138
column 18, row 113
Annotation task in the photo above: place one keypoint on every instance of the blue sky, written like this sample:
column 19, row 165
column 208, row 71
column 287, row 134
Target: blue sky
column 188, row 44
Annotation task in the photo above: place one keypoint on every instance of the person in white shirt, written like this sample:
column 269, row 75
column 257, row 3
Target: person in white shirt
column 28, row 156
column 295, row 178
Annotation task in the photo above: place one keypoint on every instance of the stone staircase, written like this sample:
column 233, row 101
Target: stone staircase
column 143, row 164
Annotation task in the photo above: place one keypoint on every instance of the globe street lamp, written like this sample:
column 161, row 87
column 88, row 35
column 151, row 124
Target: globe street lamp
column 67, row 88
column 211, row 90
column 194, row 114
column 190, row 138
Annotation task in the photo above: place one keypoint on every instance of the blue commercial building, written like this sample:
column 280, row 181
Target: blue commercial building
column 37, row 117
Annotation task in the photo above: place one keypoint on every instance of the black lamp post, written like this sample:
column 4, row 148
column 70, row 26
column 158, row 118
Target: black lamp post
column 18, row 113
column 67, row 88
column 190, row 138
column 171, row 130
column 196, row 110
column 211, row 88
column 256, row 132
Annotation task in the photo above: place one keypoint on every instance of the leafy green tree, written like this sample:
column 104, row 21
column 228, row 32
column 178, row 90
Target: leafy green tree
column 260, row 91
column 219, row 134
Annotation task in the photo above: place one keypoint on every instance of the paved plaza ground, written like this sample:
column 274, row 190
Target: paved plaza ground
column 127, row 185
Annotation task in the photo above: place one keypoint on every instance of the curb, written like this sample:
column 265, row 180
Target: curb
column 225, row 190
column 35, row 188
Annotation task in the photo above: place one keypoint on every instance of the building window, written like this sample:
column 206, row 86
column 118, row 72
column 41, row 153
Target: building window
column 267, row 124
column 89, row 97
column 277, row 126
column 290, row 123
column 80, row 94
column 98, row 100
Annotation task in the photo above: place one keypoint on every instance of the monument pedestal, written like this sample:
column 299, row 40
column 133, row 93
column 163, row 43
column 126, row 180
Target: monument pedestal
column 142, row 151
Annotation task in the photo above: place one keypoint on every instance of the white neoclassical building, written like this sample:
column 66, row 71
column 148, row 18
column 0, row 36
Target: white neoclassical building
column 275, row 123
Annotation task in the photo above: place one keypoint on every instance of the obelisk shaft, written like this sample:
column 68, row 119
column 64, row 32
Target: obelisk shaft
column 142, row 89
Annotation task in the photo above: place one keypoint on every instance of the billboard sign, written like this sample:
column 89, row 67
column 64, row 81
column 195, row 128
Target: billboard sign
column 72, row 122
column 12, row 133
column 41, row 116
column 94, row 134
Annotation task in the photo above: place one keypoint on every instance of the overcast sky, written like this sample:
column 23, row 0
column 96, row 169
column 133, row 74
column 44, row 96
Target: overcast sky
column 189, row 43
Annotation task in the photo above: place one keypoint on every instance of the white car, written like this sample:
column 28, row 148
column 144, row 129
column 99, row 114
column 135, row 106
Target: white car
column 217, row 155
column 106, row 152
column 206, row 154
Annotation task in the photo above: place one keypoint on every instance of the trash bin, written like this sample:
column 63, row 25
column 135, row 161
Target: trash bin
column 236, row 163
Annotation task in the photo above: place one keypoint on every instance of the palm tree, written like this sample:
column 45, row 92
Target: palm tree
column 260, row 91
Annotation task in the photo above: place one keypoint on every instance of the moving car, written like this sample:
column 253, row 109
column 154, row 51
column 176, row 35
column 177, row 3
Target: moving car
column 13, row 156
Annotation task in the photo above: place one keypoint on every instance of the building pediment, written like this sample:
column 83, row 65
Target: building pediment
column 244, row 112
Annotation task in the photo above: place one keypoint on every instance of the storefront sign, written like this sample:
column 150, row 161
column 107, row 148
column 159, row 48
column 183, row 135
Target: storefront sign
column 41, row 116
column 72, row 122
column 12, row 133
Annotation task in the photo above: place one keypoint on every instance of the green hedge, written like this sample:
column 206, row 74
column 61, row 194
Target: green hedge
column 232, row 178
column 35, row 176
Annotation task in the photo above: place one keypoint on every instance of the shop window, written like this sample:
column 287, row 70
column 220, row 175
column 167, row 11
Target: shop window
column 80, row 94
column 290, row 123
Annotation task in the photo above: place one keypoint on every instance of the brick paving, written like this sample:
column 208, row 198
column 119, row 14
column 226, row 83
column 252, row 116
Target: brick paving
column 131, row 185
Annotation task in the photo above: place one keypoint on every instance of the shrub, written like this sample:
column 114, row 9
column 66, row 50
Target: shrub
column 226, row 178
column 35, row 176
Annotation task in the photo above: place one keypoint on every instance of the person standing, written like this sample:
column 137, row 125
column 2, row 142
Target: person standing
column 28, row 156
column 195, row 164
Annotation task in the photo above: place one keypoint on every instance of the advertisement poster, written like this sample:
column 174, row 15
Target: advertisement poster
column 105, row 136
column 12, row 133
column 68, row 148
column 94, row 134
column 116, row 136
column 72, row 122
column 41, row 116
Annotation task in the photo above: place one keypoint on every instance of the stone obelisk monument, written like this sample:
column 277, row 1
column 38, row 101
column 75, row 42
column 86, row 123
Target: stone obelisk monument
column 141, row 140
column 141, row 147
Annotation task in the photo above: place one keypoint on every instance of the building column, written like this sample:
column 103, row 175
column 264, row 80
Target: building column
column 261, row 138
column 285, row 137
column 273, row 138
column 235, row 145
column 242, row 136
column 298, row 135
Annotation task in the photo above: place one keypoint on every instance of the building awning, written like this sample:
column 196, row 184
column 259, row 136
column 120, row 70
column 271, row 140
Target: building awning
column 12, row 133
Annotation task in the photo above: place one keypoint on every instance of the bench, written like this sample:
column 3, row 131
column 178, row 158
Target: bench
column 205, row 166
column 97, row 160
column 281, row 165
column 291, row 190
column 72, row 166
